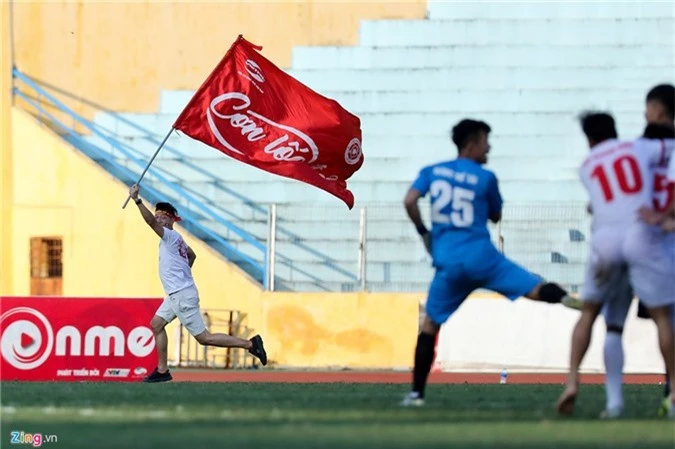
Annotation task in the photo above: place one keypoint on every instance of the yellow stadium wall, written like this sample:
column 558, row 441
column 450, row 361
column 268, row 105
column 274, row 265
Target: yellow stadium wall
column 358, row 330
column 111, row 252
column 107, row 251
column 5, row 159
column 121, row 54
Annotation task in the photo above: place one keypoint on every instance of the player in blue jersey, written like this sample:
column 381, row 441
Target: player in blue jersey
column 464, row 196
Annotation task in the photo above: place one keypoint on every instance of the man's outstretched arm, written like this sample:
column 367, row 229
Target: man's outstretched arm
column 147, row 215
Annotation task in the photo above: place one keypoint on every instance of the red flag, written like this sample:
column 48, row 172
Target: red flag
column 253, row 111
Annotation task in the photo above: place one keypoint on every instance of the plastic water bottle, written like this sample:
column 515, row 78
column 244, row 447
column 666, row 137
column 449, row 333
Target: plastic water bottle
column 503, row 376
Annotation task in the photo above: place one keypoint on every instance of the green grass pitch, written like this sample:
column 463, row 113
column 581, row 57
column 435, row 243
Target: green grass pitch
column 275, row 415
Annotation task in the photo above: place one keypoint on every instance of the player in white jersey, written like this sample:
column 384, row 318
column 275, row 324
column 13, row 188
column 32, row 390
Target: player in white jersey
column 660, row 116
column 665, row 218
column 625, row 252
column 182, row 300
column 615, row 313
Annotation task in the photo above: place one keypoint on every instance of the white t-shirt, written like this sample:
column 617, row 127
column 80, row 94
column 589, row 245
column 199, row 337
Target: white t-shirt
column 671, row 169
column 174, row 269
column 619, row 178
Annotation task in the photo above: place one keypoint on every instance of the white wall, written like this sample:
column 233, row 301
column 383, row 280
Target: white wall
column 490, row 334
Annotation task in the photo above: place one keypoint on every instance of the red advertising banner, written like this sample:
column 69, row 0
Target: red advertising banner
column 77, row 339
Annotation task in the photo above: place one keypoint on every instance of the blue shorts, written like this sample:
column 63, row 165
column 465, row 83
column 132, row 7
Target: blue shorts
column 453, row 283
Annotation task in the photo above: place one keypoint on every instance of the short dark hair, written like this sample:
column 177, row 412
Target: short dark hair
column 467, row 130
column 664, row 94
column 598, row 126
column 657, row 131
column 167, row 207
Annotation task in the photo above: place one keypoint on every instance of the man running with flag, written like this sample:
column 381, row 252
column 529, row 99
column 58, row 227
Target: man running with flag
column 182, row 298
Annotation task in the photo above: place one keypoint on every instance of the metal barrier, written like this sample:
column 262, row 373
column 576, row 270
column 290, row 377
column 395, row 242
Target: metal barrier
column 189, row 353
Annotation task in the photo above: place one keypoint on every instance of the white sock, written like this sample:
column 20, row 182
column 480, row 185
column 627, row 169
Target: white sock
column 614, row 367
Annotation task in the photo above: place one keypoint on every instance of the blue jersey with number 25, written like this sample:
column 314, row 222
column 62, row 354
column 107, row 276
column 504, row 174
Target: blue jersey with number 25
column 463, row 196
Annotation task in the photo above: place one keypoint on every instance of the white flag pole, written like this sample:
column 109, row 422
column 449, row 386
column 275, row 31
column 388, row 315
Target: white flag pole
column 149, row 163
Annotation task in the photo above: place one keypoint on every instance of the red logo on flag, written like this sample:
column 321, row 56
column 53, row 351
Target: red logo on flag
column 253, row 111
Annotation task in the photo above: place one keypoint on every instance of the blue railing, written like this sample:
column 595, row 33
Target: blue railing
column 190, row 218
column 294, row 238
column 280, row 258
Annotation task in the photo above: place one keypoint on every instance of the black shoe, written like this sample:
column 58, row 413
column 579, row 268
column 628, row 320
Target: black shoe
column 156, row 376
column 258, row 349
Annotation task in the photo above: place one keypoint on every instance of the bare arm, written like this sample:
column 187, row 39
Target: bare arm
column 191, row 256
column 413, row 210
column 495, row 202
column 145, row 213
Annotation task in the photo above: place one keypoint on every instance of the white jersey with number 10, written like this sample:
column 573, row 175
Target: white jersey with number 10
column 618, row 176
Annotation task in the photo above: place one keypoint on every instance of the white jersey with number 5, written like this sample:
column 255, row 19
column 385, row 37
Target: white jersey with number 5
column 663, row 194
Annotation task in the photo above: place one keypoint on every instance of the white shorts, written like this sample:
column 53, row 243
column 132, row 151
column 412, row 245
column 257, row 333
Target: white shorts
column 183, row 304
column 635, row 258
column 616, row 312
column 651, row 266
column 606, row 274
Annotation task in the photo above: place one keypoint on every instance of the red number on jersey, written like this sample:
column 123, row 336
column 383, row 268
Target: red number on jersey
column 627, row 174
column 662, row 189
